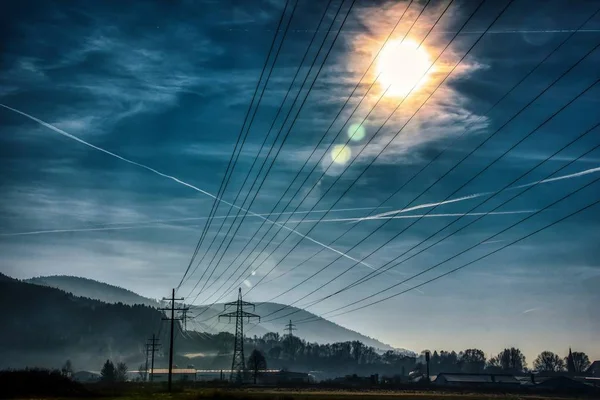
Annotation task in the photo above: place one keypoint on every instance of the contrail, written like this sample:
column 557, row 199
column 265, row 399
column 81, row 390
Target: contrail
column 157, row 222
column 60, row 131
column 473, row 196
column 418, row 216
column 427, row 205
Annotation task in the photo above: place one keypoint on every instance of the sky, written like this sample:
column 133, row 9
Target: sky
column 118, row 123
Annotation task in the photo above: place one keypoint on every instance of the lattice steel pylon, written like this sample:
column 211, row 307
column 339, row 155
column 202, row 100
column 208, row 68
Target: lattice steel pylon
column 238, row 364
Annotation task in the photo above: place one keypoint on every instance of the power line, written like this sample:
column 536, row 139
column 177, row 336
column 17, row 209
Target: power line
column 306, row 97
column 325, row 152
column 371, row 163
column 529, row 187
column 464, row 158
column 305, row 163
column 353, row 226
column 241, row 138
column 480, row 172
column 273, row 145
column 484, row 256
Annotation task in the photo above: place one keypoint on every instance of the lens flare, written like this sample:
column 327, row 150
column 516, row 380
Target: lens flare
column 341, row 154
column 403, row 67
column 356, row 132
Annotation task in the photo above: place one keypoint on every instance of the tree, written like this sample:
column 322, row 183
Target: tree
column 510, row 360
column 256, row 363
column 547, row 361
column 108, row 372
column 67, row 369
column 121, row 372
column 142, row 373
column 577, row 362
column 472, row 360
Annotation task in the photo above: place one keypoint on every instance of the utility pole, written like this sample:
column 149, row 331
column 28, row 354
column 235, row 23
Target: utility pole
column 172, row 319
column 151, row 347
column 238, row 364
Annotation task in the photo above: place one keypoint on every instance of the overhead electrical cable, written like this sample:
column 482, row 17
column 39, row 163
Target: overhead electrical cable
column 481, row 257
column 552, row 116
column 266, row 158
column 310, row 156
column 225, row 179
column 450, row 144
column 372, row 161
column 330, row 128
column 318, row 162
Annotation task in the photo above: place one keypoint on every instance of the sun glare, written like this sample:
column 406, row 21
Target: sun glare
column 403, row 67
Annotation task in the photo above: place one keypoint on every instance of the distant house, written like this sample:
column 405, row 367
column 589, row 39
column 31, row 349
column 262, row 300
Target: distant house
column 594, row 369
column 476, row 380
column 85, row 376
column 562, row 383
column 179, row 374
column 279, row 377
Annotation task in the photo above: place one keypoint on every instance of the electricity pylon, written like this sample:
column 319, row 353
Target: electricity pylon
column 238, row 364
column 290, row 328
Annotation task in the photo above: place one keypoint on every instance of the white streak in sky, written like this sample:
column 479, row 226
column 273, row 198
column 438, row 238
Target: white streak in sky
column 559, row 178
column 427, row 205
column 473, row 196
column 60, row 131
column 158, row 223
column 418, row 216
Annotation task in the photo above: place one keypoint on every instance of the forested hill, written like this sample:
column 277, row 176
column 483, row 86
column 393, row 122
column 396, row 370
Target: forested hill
column 319, row 331
column 93, row 289
column 43, row 326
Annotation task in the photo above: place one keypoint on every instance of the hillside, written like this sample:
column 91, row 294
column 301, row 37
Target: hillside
column 93, row 289
column 43, row 326
column 321, row 331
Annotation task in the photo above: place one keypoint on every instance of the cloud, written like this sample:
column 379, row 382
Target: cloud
column 162, row 223
column 181, row 182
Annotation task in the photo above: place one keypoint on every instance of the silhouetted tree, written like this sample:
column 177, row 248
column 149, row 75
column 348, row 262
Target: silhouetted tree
column 67, row 369
column 108, row 372
column 121, row 372
column 472, row 360
column 509, row 360
column 256, row 363
column 578, row 362
column 547, row 361
column 142, row 373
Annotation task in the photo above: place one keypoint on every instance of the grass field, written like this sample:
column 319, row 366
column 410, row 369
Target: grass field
column 303, row 394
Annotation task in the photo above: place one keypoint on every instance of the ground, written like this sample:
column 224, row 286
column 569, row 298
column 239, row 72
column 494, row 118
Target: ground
column 304, row 394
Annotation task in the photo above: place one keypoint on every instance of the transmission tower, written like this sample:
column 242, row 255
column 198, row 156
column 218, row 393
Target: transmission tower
column 238, row 364
column 290, row 328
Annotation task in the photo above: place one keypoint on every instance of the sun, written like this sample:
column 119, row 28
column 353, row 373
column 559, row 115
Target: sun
column 403, row 66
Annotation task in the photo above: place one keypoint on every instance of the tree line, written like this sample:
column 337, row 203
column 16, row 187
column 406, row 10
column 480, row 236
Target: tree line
column 285, row 351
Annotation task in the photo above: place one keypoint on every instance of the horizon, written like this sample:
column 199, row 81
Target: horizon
column 424, row 173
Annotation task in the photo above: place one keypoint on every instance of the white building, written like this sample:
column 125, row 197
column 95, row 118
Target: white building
column 179, row 374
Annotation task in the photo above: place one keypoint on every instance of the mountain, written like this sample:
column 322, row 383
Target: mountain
column 320, row 331
column 43, row 326
column 93, row 289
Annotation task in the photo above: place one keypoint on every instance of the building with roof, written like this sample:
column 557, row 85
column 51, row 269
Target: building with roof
column 85, row 376
column 476, row 380
column 594, row 369
column 179, row 374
